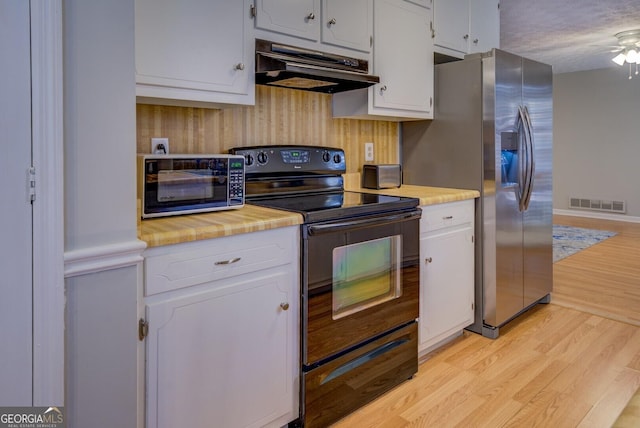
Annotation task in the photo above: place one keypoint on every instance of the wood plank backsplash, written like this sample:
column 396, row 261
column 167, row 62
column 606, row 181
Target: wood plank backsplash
column 280, row 116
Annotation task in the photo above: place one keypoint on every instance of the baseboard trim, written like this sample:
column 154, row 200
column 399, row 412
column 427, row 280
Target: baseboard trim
column 598, row 215
column 97, row 259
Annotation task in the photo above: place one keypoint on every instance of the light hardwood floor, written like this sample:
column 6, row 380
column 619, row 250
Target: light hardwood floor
column 572, row 363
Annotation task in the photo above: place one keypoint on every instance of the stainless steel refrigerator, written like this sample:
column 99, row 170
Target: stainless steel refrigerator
column 492, row 131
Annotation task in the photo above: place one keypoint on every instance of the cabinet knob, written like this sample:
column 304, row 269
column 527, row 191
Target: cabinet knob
column 448, row 217
column 332, row 21
column 428, row 260
column 284, row 306
column 383, row 88
column 466, row 36
column 239, row 66
column 475, row 41
column 228, row 262
column 311, row 16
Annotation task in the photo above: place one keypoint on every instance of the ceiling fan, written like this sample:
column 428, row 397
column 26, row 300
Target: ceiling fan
column 628, row 48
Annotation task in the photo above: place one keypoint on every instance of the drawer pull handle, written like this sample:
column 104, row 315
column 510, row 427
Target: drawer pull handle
column 284, row 306
column 228, row 262
column 428, row 260
column 449, row 217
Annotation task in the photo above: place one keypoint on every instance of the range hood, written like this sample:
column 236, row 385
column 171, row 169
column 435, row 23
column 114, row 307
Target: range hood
column 296, row 68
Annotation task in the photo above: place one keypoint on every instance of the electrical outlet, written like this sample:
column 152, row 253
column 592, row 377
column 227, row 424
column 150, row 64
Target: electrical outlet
column 160, row 146
column 368, row 152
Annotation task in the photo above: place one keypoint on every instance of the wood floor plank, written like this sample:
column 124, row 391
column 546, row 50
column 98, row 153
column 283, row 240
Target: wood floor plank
column 603, row 279
column 539, row 382
column 550, row 408
column 590, row 373
column 448, row 408
column 614, row 400
column 492, row 414
column 572, row 363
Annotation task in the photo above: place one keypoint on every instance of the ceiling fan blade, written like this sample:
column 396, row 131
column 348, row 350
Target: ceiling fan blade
column 613, row 47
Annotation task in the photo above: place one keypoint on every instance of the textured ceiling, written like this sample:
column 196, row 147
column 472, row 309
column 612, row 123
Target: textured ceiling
column 571, row 35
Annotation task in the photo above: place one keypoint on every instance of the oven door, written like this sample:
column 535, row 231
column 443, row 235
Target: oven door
column 360, row 281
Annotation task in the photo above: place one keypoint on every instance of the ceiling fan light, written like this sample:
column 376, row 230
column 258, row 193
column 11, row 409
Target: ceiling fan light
column 619, row 59
column 632, row 56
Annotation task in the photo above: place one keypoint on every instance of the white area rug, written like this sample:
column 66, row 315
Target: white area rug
column 569, row 240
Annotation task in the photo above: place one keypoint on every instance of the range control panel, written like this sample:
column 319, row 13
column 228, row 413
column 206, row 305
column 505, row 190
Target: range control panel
column 291, row 159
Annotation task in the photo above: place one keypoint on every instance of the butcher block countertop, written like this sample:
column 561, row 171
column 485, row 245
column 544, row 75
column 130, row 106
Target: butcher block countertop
column 427, row 195
column 193, row 227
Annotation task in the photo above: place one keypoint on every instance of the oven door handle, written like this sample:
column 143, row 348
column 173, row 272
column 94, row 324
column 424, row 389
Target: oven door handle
column 362, row 223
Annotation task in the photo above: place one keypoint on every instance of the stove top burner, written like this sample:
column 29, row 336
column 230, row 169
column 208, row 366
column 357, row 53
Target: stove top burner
column 334, row 205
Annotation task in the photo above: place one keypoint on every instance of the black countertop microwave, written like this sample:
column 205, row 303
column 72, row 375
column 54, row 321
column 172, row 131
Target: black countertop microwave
column 187, row 184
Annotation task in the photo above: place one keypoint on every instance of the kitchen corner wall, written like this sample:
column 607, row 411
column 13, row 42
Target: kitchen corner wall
column 280, row 116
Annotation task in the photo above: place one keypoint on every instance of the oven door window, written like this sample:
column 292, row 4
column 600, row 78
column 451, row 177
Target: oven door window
column 366, row 274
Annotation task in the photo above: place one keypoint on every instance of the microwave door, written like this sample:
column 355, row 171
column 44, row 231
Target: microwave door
column 183, row 186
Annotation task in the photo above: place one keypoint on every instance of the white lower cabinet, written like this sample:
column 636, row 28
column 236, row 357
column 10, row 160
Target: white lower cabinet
column 447, row 272
column 224, row 352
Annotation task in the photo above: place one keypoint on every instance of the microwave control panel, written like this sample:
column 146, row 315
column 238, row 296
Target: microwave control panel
column 236, row 180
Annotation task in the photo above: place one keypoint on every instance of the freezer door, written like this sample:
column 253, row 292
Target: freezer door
column 503, row 154
column 538, row 218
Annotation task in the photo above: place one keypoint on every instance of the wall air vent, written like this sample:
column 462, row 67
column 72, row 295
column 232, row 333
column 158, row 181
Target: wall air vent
column 619, row 207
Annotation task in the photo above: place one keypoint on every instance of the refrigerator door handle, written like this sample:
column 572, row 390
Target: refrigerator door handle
column 530, row 159
column 522, row 158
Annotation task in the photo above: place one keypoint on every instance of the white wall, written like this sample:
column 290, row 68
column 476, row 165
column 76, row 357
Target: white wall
column 596, row 137
column 100, row 116
column 15, row 223
column 102, row 269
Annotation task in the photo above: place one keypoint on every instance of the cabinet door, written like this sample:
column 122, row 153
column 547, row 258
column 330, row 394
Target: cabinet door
column 484, row 25
column 300, row 18
column 348, row 24
column 403, row 58
column 194, row 50
column 451, row 24
column 447, row 284
column 225, row 353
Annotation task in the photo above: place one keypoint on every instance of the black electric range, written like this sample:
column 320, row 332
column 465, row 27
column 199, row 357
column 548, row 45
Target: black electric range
column 308, row 180
column 359, row 278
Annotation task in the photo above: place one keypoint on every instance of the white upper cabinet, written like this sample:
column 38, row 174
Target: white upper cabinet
column 403, row 59
column 194, row 52
column 348, row 23
column 466, row 26
column 484, row 25
column 451, row 24
column 299, row 18
column 315, row 24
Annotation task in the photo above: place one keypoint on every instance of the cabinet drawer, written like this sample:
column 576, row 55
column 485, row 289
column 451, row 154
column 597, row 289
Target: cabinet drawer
column 183, row 265
column 439, row 216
